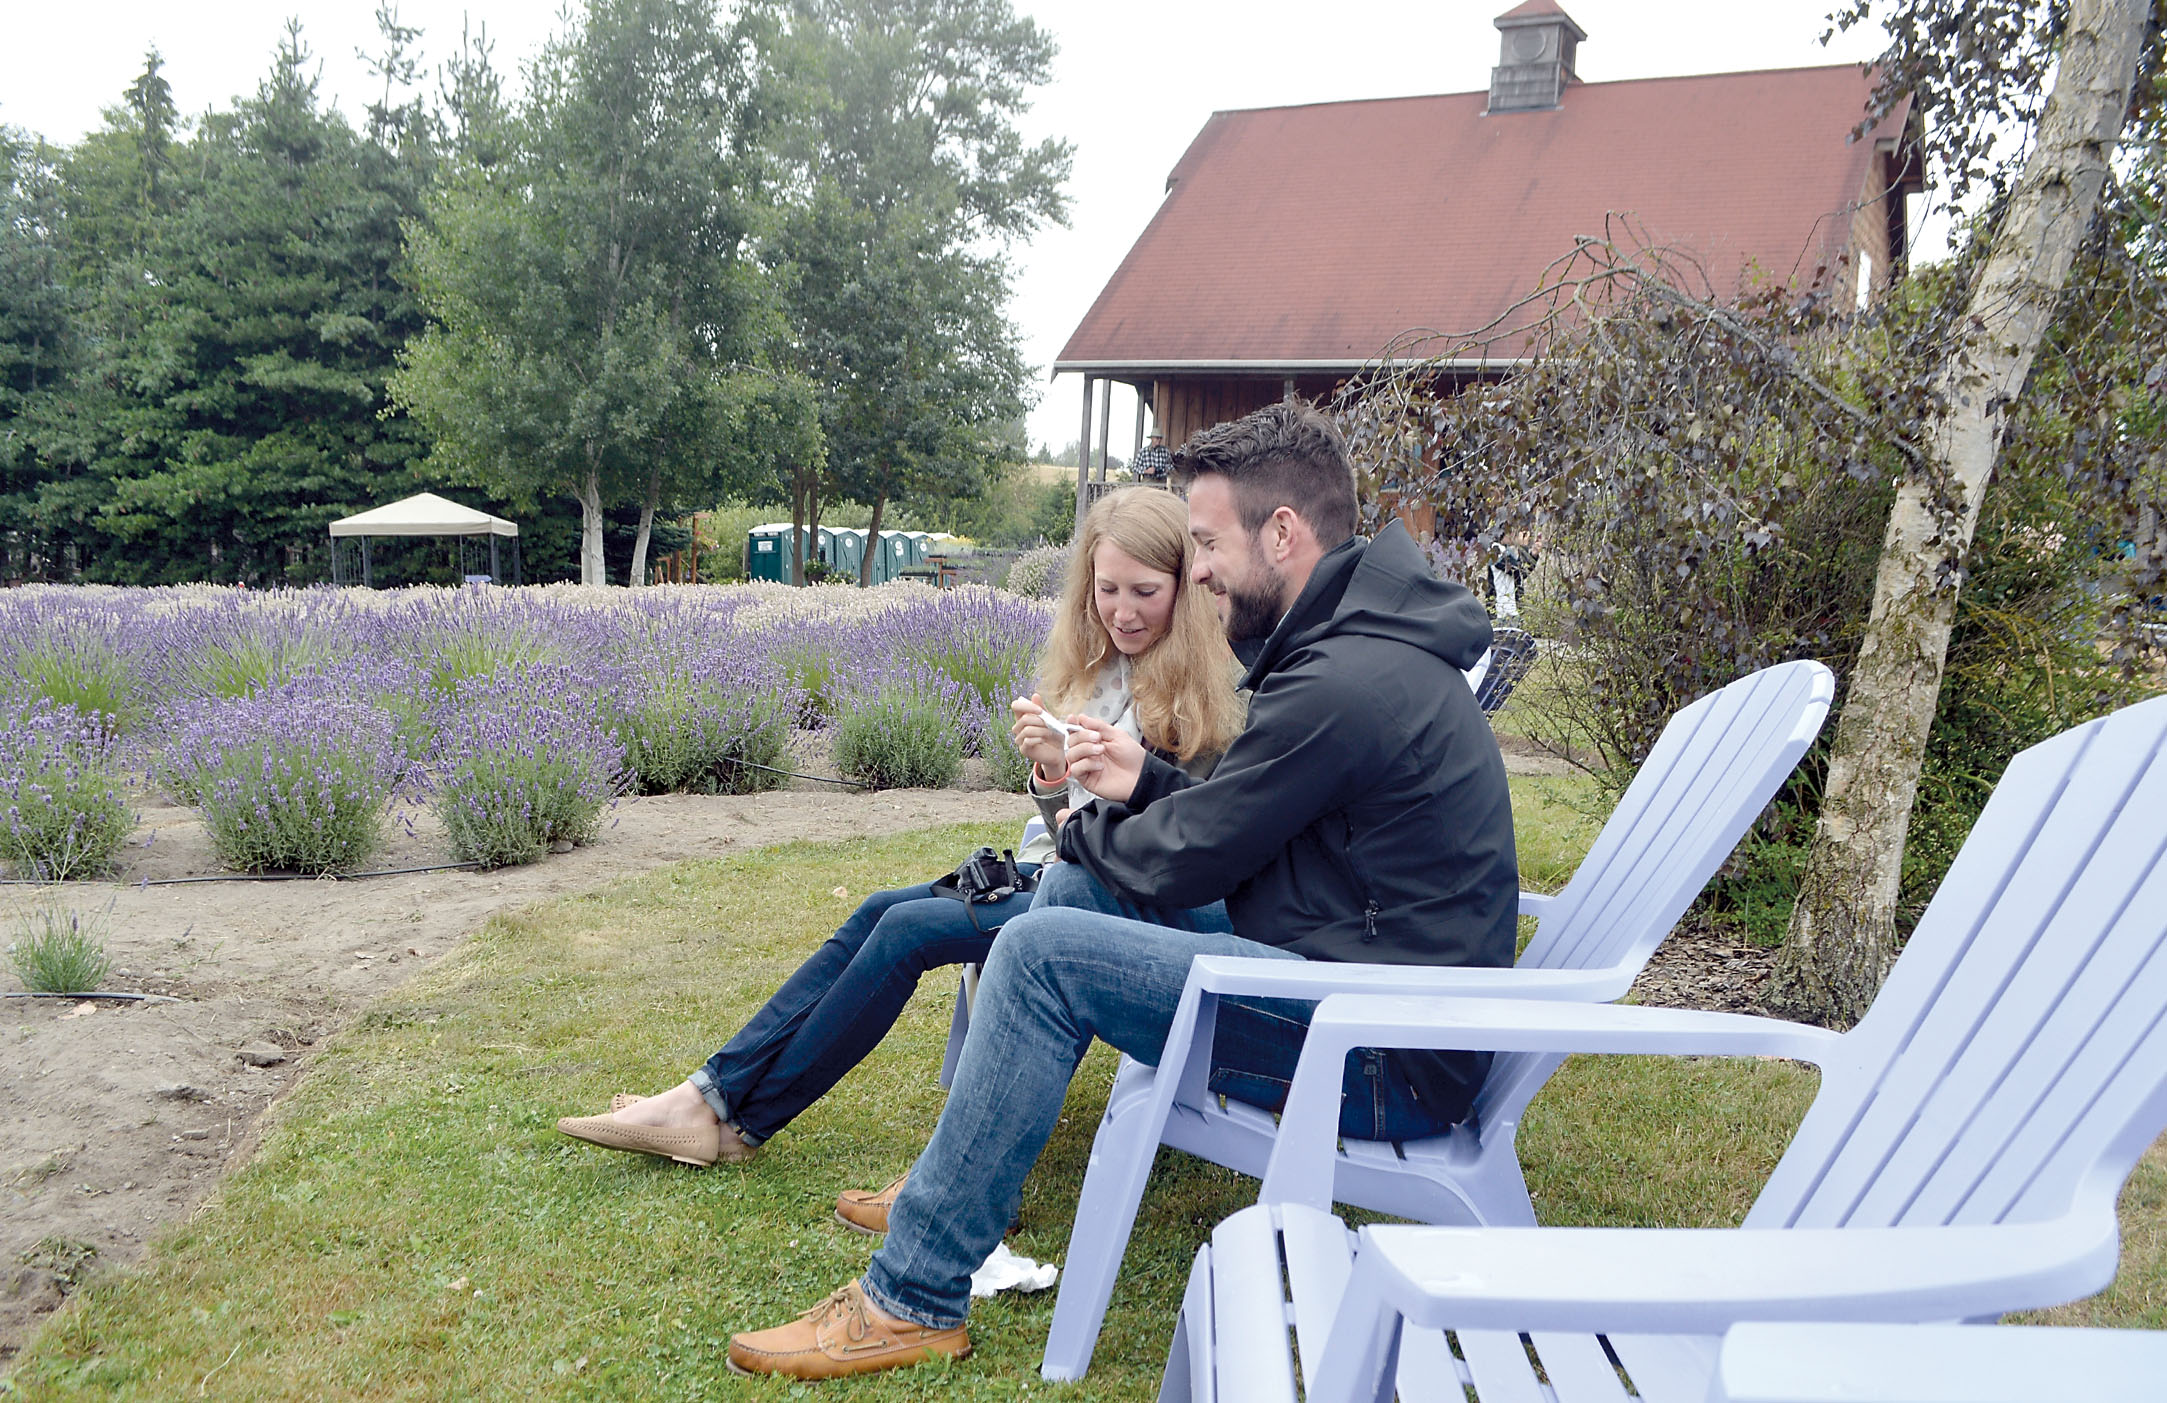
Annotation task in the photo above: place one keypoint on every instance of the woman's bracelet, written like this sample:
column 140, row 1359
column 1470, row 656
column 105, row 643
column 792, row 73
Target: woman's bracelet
column 1044, row 778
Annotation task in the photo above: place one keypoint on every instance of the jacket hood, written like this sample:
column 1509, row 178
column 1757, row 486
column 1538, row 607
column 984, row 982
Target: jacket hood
column 1381, row 588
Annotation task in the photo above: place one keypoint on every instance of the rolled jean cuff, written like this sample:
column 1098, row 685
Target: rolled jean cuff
column 888, row 1305
column 720, row 1105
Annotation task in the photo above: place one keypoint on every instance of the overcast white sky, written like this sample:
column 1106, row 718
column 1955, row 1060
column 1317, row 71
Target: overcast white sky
column 1134, row 81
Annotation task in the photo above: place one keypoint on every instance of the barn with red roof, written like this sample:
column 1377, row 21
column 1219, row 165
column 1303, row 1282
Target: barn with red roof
column 1296, row 244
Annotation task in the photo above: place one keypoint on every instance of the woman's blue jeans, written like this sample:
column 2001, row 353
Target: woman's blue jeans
column 841, row 1003
column 1059, row 976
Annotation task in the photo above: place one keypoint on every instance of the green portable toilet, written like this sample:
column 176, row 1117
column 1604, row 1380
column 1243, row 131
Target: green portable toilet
column 767, row 552
column 843, row 548
column 893, row 554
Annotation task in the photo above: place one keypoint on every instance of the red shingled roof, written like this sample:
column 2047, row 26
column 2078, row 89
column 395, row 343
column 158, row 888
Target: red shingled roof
column 1316, row 235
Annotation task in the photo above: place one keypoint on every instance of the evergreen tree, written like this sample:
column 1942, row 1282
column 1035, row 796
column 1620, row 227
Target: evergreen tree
column 38, row 344
column 246, row 311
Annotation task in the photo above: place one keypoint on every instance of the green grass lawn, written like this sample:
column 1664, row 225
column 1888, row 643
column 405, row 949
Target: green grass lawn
column 413, row 1226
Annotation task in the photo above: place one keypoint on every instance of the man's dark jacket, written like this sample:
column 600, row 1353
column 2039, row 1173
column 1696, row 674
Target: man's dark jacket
column 1362, row 814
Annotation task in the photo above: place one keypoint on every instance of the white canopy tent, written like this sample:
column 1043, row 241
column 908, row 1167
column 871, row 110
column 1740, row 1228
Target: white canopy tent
column 423, row 514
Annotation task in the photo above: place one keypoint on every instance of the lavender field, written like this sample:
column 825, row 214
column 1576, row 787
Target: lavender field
column 299, row 723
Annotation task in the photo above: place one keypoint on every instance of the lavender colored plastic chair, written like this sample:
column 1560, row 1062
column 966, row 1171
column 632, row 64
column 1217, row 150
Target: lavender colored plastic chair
column 1962, row 1158
column 1775, row 1363
column 1715, row 767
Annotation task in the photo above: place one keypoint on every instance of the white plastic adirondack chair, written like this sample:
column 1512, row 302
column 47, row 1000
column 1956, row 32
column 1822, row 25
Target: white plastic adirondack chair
column 1716, row 765
column 1962, row 1158
column 1772, row 1363
column 1520, row 657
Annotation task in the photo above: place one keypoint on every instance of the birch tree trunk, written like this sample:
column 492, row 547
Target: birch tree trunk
column 648, row 507
column 591, row 568
column 1842, row 937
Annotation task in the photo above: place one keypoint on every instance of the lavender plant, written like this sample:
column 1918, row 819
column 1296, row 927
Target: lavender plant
column 63, row 805
column 76, row 662
column 900, row 727
column 977, row 637
column 522, row 763
column 295, row 778
column 712, row 721
column 1037, row 573
column 60, row 951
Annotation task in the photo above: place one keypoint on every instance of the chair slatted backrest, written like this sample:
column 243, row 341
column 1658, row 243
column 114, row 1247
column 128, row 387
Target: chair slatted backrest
column 2014, row 1066
column 1714, row 768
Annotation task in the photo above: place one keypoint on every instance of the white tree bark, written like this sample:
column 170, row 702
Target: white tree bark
column 591, row 568
column 1842, row 933
column 648, row 506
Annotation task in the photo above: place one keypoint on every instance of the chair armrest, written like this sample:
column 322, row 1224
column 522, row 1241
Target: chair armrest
column 1534, row 903
column 1786, row 1363
column 1309, row 1125
column 1703, row 1280
column 1316, row 979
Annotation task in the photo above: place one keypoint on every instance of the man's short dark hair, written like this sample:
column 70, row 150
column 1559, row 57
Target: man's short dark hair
column 1284, row 455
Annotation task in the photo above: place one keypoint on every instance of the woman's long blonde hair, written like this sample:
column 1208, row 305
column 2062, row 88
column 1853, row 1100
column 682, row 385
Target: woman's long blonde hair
column 1184, row 686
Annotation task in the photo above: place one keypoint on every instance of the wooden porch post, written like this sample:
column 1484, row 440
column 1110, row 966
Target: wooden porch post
column 1083, row 458
column 1106, row 411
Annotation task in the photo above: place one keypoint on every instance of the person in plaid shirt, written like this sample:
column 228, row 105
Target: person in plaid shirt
column 1153, row 462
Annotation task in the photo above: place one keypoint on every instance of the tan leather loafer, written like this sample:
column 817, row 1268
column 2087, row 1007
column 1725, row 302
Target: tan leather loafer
column 862, row 1210
column 699, row 1146
column 623, row 1099
column 839, row 1338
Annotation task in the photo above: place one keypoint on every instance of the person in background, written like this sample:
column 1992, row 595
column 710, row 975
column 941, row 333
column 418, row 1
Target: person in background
column 1153, row 463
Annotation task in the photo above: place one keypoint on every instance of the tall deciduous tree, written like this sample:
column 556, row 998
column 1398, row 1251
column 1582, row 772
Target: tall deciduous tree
column 589, row 289
column 1968, row 66
column 910, row 181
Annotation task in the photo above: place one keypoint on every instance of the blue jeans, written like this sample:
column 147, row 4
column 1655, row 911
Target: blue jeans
column 841, row 1003
column 1061, row 975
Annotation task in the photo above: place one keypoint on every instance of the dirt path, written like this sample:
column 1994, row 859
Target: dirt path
column 117, row 1119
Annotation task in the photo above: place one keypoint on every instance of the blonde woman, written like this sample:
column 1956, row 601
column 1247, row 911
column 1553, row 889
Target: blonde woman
column 1133, row 644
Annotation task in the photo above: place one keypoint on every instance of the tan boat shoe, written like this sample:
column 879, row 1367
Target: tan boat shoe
column 699, row 1146
column 862, row 1210
column 623, row 1099
column 839, row 1338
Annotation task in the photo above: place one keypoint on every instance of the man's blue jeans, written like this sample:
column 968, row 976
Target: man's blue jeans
column 1059, row 976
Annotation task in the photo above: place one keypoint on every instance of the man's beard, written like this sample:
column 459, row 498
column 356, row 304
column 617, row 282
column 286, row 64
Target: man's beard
column 1253, row 610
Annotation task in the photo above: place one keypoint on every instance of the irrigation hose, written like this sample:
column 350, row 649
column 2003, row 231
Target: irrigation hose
column 100, row 994
column 266, row 876
column 795, row 774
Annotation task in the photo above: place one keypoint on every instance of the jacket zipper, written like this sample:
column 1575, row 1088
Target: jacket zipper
column 1370, row 908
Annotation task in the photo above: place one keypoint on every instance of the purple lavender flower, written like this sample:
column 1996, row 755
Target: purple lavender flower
column 294, row 778
column 63, row 810
column 522, row 762
column 898, row 726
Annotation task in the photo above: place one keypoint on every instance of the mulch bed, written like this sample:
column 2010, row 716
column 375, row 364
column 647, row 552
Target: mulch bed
column 1701, row 966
